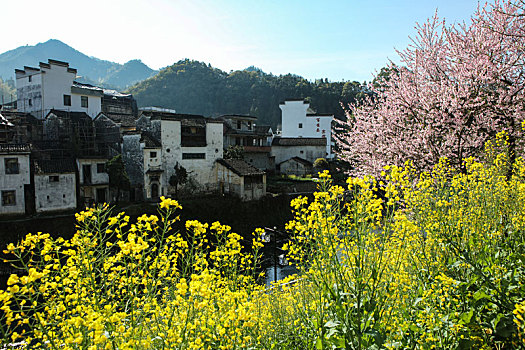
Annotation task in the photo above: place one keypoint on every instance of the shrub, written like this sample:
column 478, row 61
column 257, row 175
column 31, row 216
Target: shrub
column 436, row 261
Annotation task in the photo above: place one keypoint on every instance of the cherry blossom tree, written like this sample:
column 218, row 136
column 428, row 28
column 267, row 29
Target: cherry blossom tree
column 457, row 86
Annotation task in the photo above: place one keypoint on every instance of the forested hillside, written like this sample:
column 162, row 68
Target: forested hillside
column 195, row 87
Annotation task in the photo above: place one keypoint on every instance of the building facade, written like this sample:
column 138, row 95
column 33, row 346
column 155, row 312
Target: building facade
column 15, row 178
column 55, row 185
column 52, row 86
column 298, row 120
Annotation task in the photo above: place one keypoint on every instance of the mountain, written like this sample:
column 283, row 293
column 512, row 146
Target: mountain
column 196, row 87
column 91, row 69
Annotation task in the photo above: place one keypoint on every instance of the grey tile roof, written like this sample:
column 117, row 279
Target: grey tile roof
column 240, row 167
column 299, row 141
column 299, row 160
column 150, row 141
column 54, row 166
column 15, row 148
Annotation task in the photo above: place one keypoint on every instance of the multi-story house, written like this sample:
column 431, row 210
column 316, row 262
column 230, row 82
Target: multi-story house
column 191, row 141
column 55, row 185
column 255, row 140
column 93, row 180
column 298, row 120
column 15, row 178
column 52, row 86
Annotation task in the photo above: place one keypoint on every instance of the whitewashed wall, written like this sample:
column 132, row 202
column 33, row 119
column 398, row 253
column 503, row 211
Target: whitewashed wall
column 14, row 182
column 60, row 195
column 295, row 113
column 310, row 153
column 153, row 163
column 47, row 90
column 200, row 170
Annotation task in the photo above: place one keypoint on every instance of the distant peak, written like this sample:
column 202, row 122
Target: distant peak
column 53, row 42
column 135, row 61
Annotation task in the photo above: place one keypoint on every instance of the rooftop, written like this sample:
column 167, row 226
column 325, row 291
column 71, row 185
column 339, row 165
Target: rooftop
column 15, row 148
column 240, row 167
column 299, row 160
column 299, row 141
column 54, row 166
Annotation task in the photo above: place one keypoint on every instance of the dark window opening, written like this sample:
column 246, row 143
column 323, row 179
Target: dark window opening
column 8, row 198
column 11, row 166
column 53, row 178
column 193, row 156
column 300, row 125
column 101, row 168
column 154, row 190
column 86, row 173
column 30, row 78
column 67, row 100
column 30, row 102
column 84, row 101
column 101, row 195
column 153, row 154
column 239, row 124
column 193, row 136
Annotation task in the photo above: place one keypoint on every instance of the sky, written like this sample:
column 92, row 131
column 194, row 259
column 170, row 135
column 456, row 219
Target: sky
column 334, row 39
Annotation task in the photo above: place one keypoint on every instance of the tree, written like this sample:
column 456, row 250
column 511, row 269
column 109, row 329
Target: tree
column 321, row 163
column 234, row 152
column 457, row 86
column 118, row 177
column 179, row 177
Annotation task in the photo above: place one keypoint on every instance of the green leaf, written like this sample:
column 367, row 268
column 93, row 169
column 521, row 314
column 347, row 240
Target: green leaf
column 480, row 294
column 319, row 344
column 332, row 324
column 466, row 317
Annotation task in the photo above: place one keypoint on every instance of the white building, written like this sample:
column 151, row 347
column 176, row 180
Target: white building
column 192, row 141
column 237, row 177
column 308, row 148
column 15, row 177
column 55, row 185
column 94, row 180
column 298, row 121
column 53, row 86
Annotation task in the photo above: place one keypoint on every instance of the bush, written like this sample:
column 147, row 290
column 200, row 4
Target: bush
column 436, row 261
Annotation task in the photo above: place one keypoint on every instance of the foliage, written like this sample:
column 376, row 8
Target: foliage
column 194, row 87
column 458, row 85
column 118, row 177
column 321, row 163
column 435, row 262
column 179, row 177
column 234, row 152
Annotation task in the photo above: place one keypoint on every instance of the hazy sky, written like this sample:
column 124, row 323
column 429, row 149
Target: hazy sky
column 331, row 39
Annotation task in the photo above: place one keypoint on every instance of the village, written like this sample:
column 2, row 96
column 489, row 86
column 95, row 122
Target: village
column 57, row 139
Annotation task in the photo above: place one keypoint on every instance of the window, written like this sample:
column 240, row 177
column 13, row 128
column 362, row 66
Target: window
column 84, row 101
column 53, row 178
column 11, row 166
column 249, row 125
column 8, row 198
column 30, row 102
column 153, row 154
column 67, row 100
column 238, row 124
column 300, row 125
column 101, row 168
column 86, row 173
column 193, row 156
column 30, row 78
